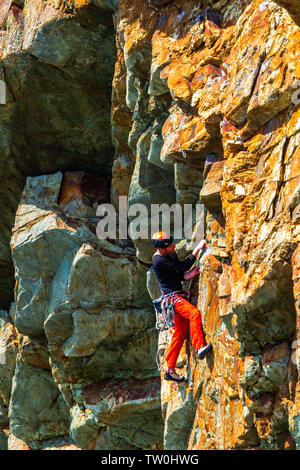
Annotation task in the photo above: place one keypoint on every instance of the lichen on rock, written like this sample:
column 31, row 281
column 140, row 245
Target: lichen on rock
column 162, row 102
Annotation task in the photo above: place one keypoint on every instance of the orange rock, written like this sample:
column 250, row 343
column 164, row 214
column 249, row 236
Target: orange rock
column 16, row 444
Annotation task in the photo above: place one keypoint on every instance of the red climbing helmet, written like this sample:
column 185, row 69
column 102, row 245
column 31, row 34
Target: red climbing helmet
column 161, row 240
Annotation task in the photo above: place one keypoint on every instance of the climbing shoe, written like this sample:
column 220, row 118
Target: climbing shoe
column 201, row 353
column 175, row 377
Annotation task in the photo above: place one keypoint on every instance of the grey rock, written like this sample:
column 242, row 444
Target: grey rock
column 252, row 370
column 158, row 3
column 152, row 285
column 52, row 65
column 157, row 85
column 8, row 352
column 156, row 144
column 3, row 441
column 105, row 4
column 92, row 330
column 149, row 185
column 37, row 409
column 133, row 419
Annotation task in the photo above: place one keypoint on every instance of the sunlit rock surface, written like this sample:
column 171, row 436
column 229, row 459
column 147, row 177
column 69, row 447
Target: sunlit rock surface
column 223, row 81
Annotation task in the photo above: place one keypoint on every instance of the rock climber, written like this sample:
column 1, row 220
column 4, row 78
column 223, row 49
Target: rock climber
column 170, row 272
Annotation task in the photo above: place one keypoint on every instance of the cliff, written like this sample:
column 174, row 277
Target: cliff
column 164, row 102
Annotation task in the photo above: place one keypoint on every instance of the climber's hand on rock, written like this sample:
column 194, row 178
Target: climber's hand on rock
column 199, row 247
column 192, row 273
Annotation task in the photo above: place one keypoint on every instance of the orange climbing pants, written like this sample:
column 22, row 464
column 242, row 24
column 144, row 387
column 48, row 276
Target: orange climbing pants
column 185, row 315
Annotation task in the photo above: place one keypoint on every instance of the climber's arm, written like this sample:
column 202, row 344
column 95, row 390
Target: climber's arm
column 191, row 273
column 201, row 246
column 177, row 265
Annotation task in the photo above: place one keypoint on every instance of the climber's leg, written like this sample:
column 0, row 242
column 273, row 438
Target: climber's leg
column 192, row 313
column 181, row 328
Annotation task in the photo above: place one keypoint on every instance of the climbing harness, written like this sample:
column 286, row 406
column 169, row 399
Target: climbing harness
column 164, row 309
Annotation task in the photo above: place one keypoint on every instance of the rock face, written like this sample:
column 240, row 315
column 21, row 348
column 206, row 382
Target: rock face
column 222, row 82
column 204, row 109
column 57, row 78
column 83, row 337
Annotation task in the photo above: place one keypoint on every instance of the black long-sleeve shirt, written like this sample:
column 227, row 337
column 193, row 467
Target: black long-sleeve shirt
column 169, row 271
